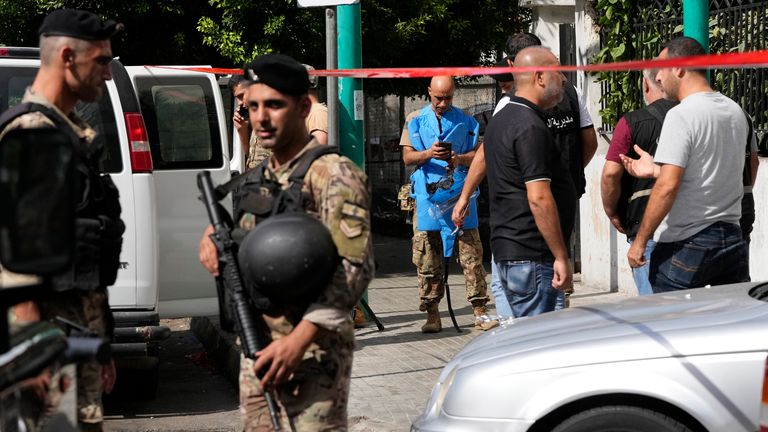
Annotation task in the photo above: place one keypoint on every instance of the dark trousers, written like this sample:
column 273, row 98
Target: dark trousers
column 715, row 255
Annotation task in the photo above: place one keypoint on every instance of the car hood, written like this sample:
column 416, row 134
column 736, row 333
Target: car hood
column 716, row 320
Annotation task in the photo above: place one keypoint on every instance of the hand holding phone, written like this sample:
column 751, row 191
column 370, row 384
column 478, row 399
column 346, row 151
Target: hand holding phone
column 443, row 150
column 243, row 111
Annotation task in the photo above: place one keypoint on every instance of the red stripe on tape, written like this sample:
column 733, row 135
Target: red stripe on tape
column 711, row 61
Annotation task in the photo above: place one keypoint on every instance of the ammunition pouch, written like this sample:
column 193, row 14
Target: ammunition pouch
column 98, row 243
column 404, row 198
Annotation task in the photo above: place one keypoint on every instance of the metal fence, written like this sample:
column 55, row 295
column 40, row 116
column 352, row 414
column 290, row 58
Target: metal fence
column 384, row 120
column 734, row 25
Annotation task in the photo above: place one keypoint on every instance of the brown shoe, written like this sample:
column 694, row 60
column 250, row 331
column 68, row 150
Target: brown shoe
column 481, row 316
column 359, row 320
column 489, row 324
column 433, row 324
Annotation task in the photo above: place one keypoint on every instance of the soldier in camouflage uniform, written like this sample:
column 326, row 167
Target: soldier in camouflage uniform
column 75, row 54
column 309, row 362
column 423, row 129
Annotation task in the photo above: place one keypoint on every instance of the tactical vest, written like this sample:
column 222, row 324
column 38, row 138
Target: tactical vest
column 645, row 125
column 257, row 191
column 98, row 228
column 564, row 121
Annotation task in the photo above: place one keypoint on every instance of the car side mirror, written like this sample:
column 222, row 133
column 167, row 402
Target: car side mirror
column 37, row 201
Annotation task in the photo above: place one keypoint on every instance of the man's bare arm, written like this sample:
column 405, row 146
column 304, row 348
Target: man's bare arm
column 544, row 211
column 415, row 157
column 660, row 202
column 547, row 220
column 588, row 145
column 475, row 176
column 610, row 191
column 754, row 164
column 465, row 158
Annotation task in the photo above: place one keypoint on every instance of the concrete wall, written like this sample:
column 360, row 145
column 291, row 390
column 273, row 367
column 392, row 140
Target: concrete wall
column 547, row 17
column 603, row 249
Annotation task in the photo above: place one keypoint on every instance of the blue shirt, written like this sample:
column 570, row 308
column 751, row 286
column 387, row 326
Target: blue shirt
column 434, row 210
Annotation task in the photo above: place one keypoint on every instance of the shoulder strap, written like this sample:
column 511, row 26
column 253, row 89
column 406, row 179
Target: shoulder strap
column 654, row 111
column 308, row 158
column 291, row 198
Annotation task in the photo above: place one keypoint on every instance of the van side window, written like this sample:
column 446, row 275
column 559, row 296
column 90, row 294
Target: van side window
column 182, row 122
column 101, row 117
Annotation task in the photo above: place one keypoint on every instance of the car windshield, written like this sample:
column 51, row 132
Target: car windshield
column 100, row 116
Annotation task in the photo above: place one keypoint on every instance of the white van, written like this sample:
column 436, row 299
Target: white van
column 160, row 127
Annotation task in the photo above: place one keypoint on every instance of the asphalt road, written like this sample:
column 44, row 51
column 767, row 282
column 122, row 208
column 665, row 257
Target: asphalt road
column 192, row 395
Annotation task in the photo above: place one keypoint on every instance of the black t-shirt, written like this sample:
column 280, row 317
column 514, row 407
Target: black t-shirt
column 519, row 148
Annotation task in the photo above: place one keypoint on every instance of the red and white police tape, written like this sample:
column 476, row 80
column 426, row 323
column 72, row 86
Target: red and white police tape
column 751, row 59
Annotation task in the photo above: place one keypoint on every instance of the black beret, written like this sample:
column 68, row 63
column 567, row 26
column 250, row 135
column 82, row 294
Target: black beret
column 503, row 77
column 78, row 24
column 280, row 72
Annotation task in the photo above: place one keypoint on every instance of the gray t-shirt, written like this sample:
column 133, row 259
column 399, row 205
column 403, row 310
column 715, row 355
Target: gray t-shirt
column 706, row 134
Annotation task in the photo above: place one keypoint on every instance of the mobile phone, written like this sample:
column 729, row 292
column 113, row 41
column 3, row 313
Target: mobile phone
column 243, row 111
column 445, row 145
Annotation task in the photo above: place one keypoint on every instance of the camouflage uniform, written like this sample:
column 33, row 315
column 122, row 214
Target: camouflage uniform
column 430, row 266
column 256, row 153
column 89, row 308
column 315, row 398
column 429, row 261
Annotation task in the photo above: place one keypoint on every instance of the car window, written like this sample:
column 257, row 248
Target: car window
column 100, row 116
column 229, row 102
column 182, row 122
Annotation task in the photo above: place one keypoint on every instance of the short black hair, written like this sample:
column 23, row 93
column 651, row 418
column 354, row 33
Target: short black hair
column 685, row 46
column 234, row 81
column 519, row 41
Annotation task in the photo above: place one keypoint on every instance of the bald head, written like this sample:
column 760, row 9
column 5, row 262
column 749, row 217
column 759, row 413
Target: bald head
column 440, row 91
column 529, row 57
column 545, row 89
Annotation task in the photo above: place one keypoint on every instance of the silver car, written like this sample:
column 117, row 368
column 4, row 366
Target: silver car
column 693, row 360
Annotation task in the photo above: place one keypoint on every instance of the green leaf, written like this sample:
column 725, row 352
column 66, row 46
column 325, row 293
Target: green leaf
column 617, row 52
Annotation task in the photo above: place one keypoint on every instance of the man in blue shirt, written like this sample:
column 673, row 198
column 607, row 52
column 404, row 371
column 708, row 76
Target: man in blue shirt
column 440, row 141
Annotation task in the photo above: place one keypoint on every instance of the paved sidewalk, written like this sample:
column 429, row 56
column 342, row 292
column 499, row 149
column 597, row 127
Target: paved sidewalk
column 394, row 370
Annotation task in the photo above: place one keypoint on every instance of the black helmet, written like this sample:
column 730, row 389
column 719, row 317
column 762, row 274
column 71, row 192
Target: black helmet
column 288, row 258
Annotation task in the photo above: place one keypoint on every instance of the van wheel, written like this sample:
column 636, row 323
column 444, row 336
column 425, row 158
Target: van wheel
column 620, row 418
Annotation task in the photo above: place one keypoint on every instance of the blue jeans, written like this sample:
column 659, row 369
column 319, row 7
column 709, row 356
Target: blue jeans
column 641, row 274
column 527, row 286
column 503, row 309
column 715, row 255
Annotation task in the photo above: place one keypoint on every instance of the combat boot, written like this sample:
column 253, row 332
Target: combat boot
column 433, row 324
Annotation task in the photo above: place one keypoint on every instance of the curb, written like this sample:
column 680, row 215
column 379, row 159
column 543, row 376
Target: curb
column 219, row 345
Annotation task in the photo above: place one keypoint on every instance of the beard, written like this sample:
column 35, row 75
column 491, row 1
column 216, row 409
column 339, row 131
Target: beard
column 552, row 96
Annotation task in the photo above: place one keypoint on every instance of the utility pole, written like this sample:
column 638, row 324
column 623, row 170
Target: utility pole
column 352, row 109
column 696, row 22
column 332, row 82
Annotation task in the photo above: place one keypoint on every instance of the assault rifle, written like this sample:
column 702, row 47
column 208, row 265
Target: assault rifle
column 251, row 327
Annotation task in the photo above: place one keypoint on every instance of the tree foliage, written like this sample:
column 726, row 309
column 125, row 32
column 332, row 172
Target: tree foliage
column 395, row 33
column 156, row 32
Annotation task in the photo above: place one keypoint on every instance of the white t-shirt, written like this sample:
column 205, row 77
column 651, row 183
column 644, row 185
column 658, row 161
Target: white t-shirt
column 585, row 119
column 707, row 135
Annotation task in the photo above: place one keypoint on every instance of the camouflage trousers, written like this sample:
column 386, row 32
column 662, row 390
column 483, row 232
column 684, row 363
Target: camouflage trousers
column 430, row 266
column 313, row 399
column 87, row 308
